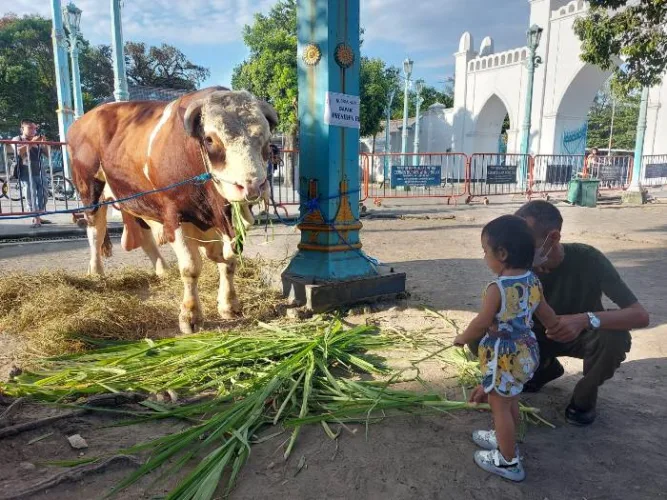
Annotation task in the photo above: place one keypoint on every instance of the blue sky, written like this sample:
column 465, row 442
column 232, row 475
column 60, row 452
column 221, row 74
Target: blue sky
column 209, row 31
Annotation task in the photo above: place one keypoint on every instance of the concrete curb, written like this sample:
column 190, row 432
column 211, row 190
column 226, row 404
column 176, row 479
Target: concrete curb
column 55, row 232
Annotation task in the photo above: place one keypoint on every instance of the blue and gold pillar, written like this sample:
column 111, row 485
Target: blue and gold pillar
column 330, row 249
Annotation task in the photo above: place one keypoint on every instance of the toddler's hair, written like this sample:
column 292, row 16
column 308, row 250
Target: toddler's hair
column 511, row 233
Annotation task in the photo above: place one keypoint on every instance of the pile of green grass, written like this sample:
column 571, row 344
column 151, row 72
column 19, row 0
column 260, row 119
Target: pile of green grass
column 268, row 380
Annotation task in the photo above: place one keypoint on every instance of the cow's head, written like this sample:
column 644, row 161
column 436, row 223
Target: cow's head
column 234, row 128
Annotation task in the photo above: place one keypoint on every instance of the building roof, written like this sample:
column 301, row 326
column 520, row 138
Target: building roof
column 143, row 93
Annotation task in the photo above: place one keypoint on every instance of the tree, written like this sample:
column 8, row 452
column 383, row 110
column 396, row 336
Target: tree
column 376, row 82
column 164, row 66
column 625, row 109
column 632, row 31
column 431, row 96
column 270, row 72
column 27, row 75
column 27, row 79
column 97, row 78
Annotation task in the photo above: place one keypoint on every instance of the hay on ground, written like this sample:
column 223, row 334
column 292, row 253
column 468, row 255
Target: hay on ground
column 57, row 312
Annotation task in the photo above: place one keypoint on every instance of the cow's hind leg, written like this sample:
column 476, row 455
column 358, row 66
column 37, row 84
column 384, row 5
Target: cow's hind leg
column 98, row 239
column 190, row 264
column 229, row 306
column 149, row 246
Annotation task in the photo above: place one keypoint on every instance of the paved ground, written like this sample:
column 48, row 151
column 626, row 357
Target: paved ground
column 620, row 457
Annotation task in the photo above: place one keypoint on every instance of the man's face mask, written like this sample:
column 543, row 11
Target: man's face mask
column 542, row 253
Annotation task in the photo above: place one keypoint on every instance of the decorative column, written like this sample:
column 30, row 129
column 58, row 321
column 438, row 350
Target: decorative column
column 419, row 86
column 330, row 269
column 72, row 18
column 117, row 45
column 64, row 111
column 634, row 194
column 407, row 69
column 534, row 35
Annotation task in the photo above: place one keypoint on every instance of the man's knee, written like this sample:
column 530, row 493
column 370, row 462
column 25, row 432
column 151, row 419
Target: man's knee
column 616, row 343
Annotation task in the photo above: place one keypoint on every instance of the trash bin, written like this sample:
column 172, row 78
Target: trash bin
column 589, row 192
column 574, row 192
column 583, row 192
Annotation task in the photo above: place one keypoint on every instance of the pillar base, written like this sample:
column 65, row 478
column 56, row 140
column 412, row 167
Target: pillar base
column 321, row 296
column 634, row 197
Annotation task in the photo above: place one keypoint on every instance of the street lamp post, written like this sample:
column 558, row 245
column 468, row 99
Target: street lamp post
column 387, row 137
column 419, row 86
column 634, row 193
column 534, row 36
column 72, row 18
column 120, row 77
column 407, row 69
column 64, row 111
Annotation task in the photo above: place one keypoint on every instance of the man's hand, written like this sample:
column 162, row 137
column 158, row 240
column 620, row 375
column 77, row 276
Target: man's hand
column 478, row 395
column 569, row 327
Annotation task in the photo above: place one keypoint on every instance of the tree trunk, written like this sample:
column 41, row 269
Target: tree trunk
column 291, row 170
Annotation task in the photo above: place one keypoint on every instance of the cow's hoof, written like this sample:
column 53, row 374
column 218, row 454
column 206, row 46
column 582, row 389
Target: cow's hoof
column 230, row 311
column 189, row 321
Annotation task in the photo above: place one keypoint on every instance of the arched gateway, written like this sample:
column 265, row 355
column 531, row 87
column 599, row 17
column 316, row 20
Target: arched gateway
column 489, row 86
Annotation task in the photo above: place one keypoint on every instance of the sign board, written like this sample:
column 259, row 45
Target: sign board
column 559, row 174
column 655, row 170
column 501, row 174
column 612, row 173
column 341, row 110
column 420, row 176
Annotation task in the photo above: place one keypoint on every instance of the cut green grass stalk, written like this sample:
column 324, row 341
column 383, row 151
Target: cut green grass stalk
column 272, row 375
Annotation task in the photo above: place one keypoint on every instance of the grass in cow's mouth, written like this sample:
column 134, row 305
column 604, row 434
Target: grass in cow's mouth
column 57, row 312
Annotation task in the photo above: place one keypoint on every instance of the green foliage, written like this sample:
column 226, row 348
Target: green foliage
column 376, row 82
column 27, row 75
column 270, row 72
column 431, row 96
column 27, row 80
column 626, row 114
column 630, row 30
column 164, row 66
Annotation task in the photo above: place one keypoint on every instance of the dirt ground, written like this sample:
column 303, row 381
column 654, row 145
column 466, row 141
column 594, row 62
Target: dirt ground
column 619, row 457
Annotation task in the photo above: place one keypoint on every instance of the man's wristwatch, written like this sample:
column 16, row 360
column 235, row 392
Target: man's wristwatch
column 593, row 321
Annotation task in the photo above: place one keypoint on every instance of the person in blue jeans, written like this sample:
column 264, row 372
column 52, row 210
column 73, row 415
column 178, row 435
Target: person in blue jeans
column 29, row 170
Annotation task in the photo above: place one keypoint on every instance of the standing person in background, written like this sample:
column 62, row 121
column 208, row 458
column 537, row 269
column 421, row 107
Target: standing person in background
column 29, row 170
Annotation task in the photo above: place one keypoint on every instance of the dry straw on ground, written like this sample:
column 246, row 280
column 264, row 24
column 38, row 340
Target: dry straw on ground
column 55, row 312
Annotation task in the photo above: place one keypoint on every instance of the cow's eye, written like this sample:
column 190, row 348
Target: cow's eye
column 209, row 140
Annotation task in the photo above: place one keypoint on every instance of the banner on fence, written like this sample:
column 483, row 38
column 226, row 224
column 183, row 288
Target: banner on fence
column 501, row 174
column 420, row 176
column 656, row 170
column 612, row 173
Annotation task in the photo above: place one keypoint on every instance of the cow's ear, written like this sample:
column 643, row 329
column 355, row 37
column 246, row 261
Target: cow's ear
column 192, row 118
column 269, row 113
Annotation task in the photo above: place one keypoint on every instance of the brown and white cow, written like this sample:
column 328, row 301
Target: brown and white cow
column 121, row 149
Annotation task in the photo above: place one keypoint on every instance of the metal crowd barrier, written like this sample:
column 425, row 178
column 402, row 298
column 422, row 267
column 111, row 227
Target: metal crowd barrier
column 37, row 188
column 422, row 175
column 498, row 174
column 284, row 178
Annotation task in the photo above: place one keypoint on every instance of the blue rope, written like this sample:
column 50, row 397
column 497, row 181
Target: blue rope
column 313, row 205
column 197, row 179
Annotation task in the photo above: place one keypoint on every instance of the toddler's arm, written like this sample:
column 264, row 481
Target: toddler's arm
column 546, row 315
column 484, row 319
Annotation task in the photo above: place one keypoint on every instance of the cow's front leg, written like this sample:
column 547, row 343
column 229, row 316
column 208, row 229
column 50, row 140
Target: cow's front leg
column 190, row 265
column 229, row 306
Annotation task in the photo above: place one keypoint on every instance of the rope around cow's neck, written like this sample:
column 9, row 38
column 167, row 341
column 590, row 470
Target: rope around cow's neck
column 209, row 170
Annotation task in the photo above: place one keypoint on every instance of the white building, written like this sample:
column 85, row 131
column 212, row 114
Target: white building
column 490, row 85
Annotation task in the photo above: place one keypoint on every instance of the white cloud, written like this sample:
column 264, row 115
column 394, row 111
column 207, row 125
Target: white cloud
column 195, row 22
column 425, row 25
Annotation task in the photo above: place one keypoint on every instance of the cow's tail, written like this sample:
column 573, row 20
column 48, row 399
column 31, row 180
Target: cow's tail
column 106, row 245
